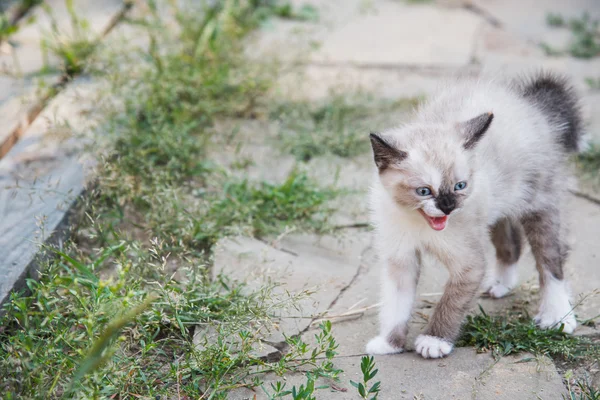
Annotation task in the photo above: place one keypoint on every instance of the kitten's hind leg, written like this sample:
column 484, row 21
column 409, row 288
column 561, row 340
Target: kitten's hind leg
column 507, row 238
column 550, row 251
column 399, row 283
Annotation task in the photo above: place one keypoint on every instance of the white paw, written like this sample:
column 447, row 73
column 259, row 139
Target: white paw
column 498, row 290
column 507, row 280
column 549, row 319
column 380, row 345
column 555, row 307
column 432, row 347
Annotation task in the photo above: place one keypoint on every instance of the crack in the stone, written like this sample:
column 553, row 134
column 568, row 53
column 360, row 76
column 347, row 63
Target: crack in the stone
column 281, row 249
column 433, row 70
column 495, row 22
column 359, row 270
column 282, row 347
column 587, row 197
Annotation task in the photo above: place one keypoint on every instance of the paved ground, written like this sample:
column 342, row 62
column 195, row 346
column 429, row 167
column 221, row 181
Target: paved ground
column 400, row 49
column 394, row 49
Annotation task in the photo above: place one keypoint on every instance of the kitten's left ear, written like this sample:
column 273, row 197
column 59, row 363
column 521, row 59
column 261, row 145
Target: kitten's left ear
column 474, row 129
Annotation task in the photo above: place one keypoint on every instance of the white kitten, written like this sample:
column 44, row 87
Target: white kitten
column 480, row 161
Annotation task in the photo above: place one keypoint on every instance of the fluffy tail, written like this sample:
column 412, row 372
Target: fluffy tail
column 555, row 97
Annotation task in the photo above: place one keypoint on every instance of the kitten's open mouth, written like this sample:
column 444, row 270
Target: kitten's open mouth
column 436, row 223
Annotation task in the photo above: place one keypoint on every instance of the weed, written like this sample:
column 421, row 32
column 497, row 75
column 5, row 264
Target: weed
column 338, row 125
column 7, row 29
column 555, row 20
column 580, row 390
column 72, row 50
column 588, row 163
column 158, row 207
column 515, row 333
column 585, row 42
column 592, row 83
column 367, row 366
column 305, row 357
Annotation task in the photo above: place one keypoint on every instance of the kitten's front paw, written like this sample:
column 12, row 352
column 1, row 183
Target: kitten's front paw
column 499, row 290
column 548, row 319
column 432, row 346
column 380, row 345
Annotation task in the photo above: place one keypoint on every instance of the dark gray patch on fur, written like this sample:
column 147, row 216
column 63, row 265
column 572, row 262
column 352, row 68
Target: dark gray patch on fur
column 506, row 236
column 397, row 337
column 455, row 303
column 446, row 201
column 384, row 153
column 555, row 97
column 460, row 291
column 550, row 251
column 474, row 129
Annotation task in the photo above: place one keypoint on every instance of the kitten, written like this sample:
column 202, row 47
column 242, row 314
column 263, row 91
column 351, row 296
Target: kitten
column 481, row 161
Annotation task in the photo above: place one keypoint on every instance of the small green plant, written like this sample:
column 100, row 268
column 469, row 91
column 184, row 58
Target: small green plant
column 585, row 41
column 588, row 163
column 73, row 49
column 515, row 333
column 581, row 389
column 338, row 125
column 367, row 366
column 555, row 20
column 593, row 83
column 285, row 9
column 6, row 28
column 148, row 228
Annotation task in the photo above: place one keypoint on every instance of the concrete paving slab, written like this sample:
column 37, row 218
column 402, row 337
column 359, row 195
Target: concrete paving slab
column 464, row 375
column 395, row 33
column 527, row 18
column 300, row 264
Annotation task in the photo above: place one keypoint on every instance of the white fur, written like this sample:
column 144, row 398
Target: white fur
column 432, row 347
column 396, row 304
column 507, row 279
column 555, row 307
column 380, row 345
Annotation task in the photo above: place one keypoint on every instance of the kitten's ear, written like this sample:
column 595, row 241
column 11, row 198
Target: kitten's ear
column 474, row 129
column 384, row 153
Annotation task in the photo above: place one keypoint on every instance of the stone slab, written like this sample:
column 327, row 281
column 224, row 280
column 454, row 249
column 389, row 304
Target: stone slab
column 394, row 33
column 527, row 18
column 299, row 264
column 464, row 375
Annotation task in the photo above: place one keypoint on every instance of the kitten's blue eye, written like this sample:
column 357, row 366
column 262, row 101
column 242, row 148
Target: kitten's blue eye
column 423, row 191
column 460, row 185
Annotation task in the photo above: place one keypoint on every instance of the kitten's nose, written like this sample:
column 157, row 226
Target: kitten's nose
column 446, row 203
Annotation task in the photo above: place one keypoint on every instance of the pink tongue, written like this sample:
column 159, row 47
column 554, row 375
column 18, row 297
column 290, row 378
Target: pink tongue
column 438, row 223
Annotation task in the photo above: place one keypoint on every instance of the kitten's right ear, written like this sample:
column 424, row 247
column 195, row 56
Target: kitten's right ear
column 384, row 153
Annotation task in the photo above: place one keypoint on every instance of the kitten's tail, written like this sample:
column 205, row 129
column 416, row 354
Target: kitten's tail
column 556, row 99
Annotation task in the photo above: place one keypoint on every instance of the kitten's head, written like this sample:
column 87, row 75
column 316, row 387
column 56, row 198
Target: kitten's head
column 428, row 168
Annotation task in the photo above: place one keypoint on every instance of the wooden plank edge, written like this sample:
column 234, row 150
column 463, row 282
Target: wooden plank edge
column 34, row 109
column 61, row 232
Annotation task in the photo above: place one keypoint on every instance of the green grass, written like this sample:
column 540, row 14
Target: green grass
column 115, row 312
column 588, row 165
column 580, row 389
column 516, row 333
column 338, row 125
column 585, row 36
column 73, row 49
column 47, row 334
column 593, row 83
